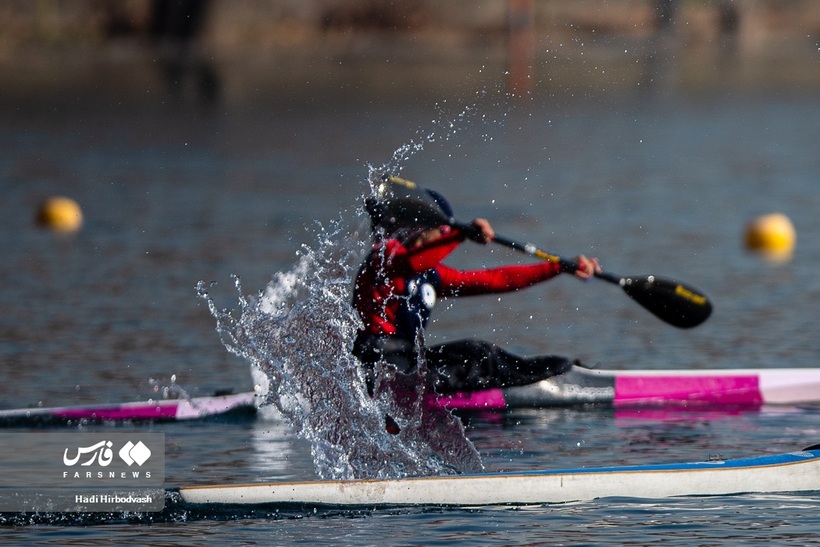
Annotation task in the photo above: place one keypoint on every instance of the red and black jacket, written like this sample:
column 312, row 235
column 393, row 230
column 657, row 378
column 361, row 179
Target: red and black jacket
column 397, row 286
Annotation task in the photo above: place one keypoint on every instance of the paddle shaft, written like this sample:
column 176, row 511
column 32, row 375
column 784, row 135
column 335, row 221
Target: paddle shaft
column 566, row 264
column 530, row 249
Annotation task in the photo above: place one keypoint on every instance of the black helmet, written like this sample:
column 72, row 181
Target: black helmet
column 442, row 202
column 401, row 204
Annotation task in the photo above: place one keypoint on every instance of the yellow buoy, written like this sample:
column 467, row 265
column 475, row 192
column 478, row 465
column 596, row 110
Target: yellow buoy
column 60, row 214
column 772, row 235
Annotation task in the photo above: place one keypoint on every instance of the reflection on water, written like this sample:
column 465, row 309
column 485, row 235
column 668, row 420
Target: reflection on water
column 271, row 450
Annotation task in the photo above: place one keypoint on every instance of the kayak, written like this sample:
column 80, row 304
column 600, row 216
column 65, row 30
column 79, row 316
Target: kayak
column 635, row 388
column 736, row 388
column 156, row 411
column 789, row 472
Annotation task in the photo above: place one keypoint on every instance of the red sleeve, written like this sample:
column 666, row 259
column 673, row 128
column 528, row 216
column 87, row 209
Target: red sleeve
column 494, row 280
column 401, row 260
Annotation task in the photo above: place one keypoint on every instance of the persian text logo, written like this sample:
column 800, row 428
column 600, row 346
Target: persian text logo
column 102, row 454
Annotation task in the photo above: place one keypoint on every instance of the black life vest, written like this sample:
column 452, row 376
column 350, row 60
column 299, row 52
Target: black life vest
column 421, row 293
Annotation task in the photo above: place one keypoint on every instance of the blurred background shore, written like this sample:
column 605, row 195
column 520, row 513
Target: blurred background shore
column 238, row 52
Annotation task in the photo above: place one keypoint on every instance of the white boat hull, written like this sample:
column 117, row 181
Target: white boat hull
column 791, row 472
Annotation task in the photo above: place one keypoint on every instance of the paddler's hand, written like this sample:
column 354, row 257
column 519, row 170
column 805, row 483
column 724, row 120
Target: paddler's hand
column 482, row 232
column 587, row 267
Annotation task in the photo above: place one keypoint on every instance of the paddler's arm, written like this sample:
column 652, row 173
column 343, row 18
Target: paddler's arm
column 435, row 244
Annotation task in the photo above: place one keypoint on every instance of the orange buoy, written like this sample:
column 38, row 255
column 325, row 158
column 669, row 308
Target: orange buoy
column 60, row 214
column 772, row 235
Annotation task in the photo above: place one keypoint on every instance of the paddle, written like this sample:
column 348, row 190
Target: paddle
column 399, row 201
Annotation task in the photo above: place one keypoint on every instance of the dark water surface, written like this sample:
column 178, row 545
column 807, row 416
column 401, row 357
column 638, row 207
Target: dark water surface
column 649, row 184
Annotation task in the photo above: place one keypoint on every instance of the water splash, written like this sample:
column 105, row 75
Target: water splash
column 171, row 390
column 299, row 332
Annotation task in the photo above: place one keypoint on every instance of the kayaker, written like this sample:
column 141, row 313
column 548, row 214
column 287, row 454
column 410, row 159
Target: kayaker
column 401, row 281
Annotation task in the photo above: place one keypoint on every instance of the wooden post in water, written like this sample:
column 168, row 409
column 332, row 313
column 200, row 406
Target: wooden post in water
column 520, row 46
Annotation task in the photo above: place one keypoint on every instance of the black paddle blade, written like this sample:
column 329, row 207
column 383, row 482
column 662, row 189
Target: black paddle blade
column 673, row 302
